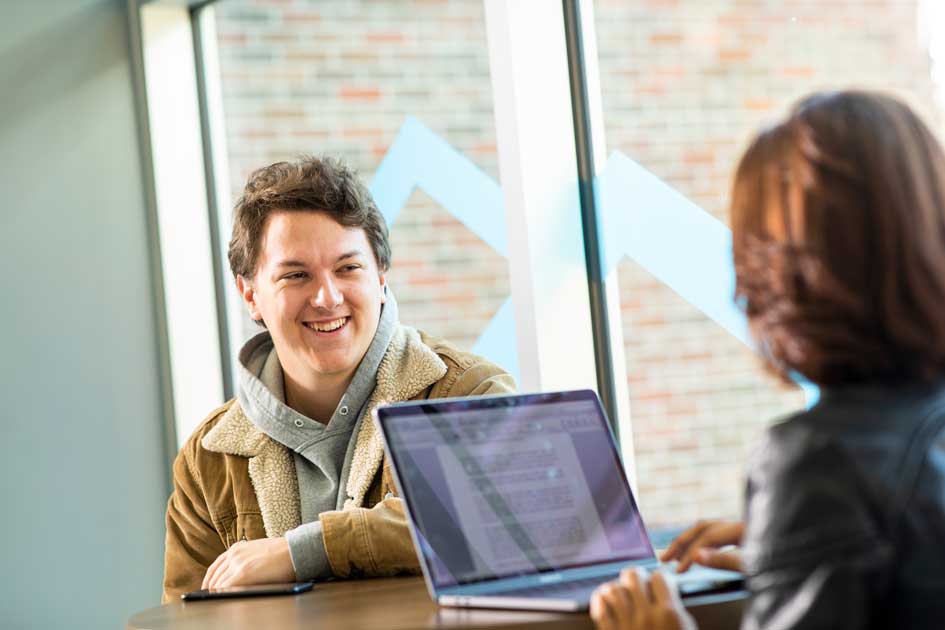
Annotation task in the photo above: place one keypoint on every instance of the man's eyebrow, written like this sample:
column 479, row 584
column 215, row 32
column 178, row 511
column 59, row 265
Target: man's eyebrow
column 354, row 253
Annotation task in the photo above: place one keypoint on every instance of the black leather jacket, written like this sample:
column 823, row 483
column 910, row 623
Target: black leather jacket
column 846, row 514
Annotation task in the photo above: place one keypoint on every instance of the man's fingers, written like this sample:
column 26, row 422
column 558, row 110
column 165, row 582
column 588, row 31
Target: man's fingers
column 213, row 581
column 212, row 570
column 231, row 574
column 728, row 560
column 683, row 541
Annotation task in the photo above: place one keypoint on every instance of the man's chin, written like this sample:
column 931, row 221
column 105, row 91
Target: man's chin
column 333, row 367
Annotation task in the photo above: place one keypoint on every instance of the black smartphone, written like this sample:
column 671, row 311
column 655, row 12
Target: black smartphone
column 254, row 590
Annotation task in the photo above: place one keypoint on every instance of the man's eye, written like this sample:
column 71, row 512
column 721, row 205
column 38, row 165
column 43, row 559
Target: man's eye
column 351, row 267
column 294, row 276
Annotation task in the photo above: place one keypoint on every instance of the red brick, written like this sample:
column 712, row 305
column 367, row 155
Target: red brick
column 692, row 158
column 385, row 38
column 359, row 94
column 658, row 39
column 734, row 54
column 759, row 104
column 297, row 17
column 799, row 72
column 355, row 132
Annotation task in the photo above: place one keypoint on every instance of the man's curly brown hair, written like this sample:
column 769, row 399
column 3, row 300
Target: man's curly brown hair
column 838, row 227
column 308, row 184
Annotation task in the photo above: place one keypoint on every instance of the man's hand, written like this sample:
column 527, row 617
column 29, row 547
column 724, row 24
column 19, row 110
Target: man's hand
column 263, row 561
column 635, row 602
column 701, row 542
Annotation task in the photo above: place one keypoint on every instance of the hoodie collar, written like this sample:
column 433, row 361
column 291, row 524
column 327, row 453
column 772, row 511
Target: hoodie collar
column 262, row 385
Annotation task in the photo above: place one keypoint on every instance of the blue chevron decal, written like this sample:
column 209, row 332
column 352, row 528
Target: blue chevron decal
column 420, row 158
column 642, row 217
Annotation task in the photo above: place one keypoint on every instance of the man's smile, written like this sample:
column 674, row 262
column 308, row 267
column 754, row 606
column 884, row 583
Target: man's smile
column 330, row 326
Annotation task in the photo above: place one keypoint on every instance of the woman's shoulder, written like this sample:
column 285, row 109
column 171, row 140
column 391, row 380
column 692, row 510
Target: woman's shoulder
column 870, row 428
column 846, row 459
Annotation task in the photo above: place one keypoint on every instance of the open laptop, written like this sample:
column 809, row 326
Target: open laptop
column 520, row 501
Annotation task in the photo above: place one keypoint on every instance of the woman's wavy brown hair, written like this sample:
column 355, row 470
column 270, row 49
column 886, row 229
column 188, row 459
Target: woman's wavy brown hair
column 838, row 227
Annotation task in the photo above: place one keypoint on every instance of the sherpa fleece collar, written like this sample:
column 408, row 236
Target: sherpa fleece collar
column 408, row 368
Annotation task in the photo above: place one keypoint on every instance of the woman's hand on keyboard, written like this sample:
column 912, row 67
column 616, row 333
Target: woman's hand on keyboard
column 638, row 602
column 702, row 543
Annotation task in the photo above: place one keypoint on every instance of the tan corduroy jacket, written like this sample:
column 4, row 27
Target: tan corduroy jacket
column 231, row 479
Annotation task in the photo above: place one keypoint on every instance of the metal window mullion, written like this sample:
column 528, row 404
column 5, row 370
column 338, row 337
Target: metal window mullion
column 220, row 276
column 593, row 251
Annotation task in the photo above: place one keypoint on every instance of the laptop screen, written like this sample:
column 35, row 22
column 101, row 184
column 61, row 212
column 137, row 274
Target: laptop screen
column 513, row 485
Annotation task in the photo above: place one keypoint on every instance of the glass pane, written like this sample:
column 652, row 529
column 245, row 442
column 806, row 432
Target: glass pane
column 402, row 92
column 684, row 85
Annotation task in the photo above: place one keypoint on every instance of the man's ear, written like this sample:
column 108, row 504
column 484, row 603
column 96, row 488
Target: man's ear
column 383, row 279
column 248, row 293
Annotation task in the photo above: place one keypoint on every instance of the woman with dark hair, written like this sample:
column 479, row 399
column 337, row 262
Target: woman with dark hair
column 838, row 226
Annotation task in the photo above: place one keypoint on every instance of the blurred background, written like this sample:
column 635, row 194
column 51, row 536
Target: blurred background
column 101, row 380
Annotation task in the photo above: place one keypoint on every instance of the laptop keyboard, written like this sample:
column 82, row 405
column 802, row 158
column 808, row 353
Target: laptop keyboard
column 582, row 589
column 578, row 589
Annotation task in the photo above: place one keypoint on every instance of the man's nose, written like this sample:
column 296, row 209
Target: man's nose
column 327, row 295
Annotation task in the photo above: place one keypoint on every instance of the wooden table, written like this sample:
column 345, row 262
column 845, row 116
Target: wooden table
column 392, row 603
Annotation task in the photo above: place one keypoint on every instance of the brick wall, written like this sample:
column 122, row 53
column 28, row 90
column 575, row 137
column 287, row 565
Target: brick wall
column 684, row 83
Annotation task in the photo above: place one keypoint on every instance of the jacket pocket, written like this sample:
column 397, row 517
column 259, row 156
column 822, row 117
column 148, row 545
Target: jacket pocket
column 250, row 525
column 388, row 487
column 242, row 526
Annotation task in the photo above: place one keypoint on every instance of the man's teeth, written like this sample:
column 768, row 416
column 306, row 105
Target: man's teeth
column 328, row 326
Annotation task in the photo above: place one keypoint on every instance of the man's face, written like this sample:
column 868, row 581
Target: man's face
column 319, row 291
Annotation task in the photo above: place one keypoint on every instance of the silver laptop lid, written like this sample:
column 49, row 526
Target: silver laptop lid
column 507, row 486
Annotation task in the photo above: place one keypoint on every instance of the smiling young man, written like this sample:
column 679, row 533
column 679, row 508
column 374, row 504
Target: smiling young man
column 288, row 481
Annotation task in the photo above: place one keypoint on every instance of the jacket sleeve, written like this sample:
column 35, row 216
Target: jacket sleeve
column 814, row 553
column 369, row 541
column 481, row 378
column 192, row 542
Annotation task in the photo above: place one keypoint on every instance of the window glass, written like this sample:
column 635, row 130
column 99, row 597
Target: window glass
column 402, row 92
column 684, row 84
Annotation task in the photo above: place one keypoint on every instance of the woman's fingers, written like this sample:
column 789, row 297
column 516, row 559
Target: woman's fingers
column 630, row 580
column 682, row 542
column 728, row 560
column 718, row 534
column 622, row 606
column 703, row 534
column 600, row 611
column 664, row 593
